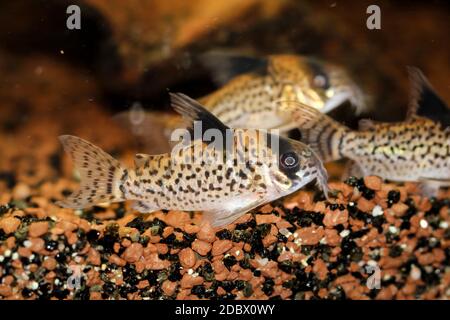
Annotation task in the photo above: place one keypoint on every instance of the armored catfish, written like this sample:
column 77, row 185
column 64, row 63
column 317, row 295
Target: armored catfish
column 417, row 149
column 223, row 178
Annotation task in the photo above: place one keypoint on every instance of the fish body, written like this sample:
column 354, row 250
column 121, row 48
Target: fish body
column 409, row 151
column 251, row 88
column 417, row 149
column 249, row 100
column 224, row 180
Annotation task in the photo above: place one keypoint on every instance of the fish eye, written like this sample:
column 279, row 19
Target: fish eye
column 320, row 81
column 289, row 160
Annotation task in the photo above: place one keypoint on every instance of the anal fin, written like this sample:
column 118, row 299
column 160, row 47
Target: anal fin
column 430, row 187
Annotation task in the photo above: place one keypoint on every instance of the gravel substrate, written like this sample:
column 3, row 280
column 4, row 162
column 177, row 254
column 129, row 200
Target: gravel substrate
column 298, row 248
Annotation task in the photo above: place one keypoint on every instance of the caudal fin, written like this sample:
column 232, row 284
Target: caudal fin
column 323, row 134
column 101, row 174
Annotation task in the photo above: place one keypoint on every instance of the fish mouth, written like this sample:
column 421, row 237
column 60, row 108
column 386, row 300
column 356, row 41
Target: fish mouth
column 336, row 101
column 353, row 95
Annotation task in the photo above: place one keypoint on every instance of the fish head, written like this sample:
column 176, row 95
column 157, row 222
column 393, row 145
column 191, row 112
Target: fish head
column 297, row 165
column 322, row 85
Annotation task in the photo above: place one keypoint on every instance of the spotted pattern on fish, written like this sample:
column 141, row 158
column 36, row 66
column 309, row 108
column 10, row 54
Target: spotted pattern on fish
column 409, row 151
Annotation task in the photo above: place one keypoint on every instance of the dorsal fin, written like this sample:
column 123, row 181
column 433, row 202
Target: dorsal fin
column 192, row 111
column 225, row 66
column 424, row 102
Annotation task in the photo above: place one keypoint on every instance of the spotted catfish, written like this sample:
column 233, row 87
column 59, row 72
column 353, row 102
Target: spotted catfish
column 224, row 179
column 247, row 99
column 417, row 149
column 250, row 86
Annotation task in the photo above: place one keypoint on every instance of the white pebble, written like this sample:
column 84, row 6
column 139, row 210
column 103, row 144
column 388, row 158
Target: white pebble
column 372, row 263
column 424, row 223
column 27, row 243
column 443, row 225
column 34, row 285
column 21, row 191
column 190, row 272
column 344, row 233
column 393, row 229
column 263, row 261
column 2, row 258
column 15, row 256
column 377, row 211
column 415, row 273
column 285, row 232
column 7, row 253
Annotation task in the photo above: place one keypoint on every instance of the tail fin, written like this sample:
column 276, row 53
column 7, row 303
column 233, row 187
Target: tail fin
column 323, row 134
column 101, row 175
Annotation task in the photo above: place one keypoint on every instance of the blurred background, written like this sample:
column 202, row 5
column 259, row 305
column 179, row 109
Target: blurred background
column 55, row 80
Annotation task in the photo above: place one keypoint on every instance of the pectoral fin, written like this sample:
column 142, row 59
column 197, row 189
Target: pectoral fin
column 226, row 215
column 352, row 169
